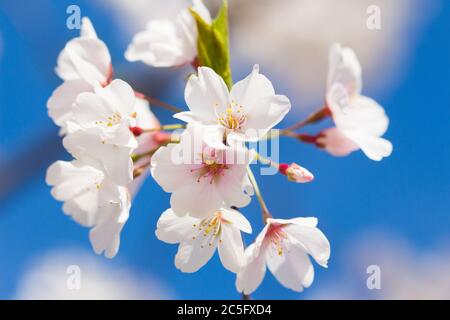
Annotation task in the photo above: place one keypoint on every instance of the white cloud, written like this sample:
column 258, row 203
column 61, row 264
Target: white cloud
column 46, row 278
column 406, row 273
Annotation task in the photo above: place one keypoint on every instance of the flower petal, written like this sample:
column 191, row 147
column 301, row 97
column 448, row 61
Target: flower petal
column 253, row 271
column 174, row 229
column 205, row 94
column 312, row 240
column 193, row 255
column 85, row 58
column 292, row 268
column 231, row 248
column 237, row 219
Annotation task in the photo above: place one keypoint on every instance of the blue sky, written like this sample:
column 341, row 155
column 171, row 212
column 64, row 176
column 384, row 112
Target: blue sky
column 406, row 194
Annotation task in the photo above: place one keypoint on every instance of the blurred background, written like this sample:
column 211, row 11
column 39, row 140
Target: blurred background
column 393, row 214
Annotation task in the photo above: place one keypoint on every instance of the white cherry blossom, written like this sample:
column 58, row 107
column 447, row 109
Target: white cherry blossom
column 93, row 200
column 100, row 129
column 202, row 179
column 77, row 65
column 167, row 43
column 246, row 113
column 199, row 238
column 283, row 246
column 360, row 119
column 85, row 57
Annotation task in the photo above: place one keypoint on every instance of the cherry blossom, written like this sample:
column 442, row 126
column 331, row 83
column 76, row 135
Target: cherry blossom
column 200, row 178
column 100, row 129
column 167, row 43
column 92, row 199
column 246, row 113
column 283, row 246
column 84, row 62
column 199, row 238
column 360, row 119
column 85, row 57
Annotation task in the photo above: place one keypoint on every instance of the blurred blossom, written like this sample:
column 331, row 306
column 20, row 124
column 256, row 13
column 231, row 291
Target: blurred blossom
column 406, row 272
column 299, row 33
column 47, row 278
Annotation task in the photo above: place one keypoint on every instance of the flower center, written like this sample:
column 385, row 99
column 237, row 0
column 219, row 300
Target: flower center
column 210, row 170
column 275, row 237
column 213, row 166
column 210, row 226
column 233, row 118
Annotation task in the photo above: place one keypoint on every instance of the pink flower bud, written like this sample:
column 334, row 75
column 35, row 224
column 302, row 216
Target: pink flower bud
column 296, row 173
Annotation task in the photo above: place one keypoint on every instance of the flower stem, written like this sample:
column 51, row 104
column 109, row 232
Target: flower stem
column 166, row 127
column 265, row 212
column 312, row 118
column 265, row 160
column 156, row 102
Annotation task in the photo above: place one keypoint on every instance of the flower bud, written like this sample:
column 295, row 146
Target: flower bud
column 296, row 173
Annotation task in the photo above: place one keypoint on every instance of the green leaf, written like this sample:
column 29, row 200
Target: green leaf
column 213, row 45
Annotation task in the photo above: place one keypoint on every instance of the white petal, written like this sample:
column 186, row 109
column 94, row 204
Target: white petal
column 165, row 43
column 115, row 160
column 60, row 103
column 344, row 69
column 253, row 271
column 250, row 90
column 205, row 94
column 70, row 178
column 199, row 7
column 231, row 248
column 105, row 236
column 193, row 255
column 312, row 240
column 198, row 199
column 85, row 58
column 270, row 111
column 237, row 219
column 87, row 29
column 120, row 97
column 168, row 175
column 292, row 267
column 174, row 229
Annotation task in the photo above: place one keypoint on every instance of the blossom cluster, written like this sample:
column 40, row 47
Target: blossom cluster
column 116, row 142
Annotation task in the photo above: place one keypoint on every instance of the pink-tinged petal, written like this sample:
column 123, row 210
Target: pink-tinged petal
column 296, row 173
column 206, row 95
column 252, row 273
column 168, row 174
column 174, row 229
column 336, row 143
column 198, row 199
column 290, row 265
column 231, row 248
column 85, row 58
